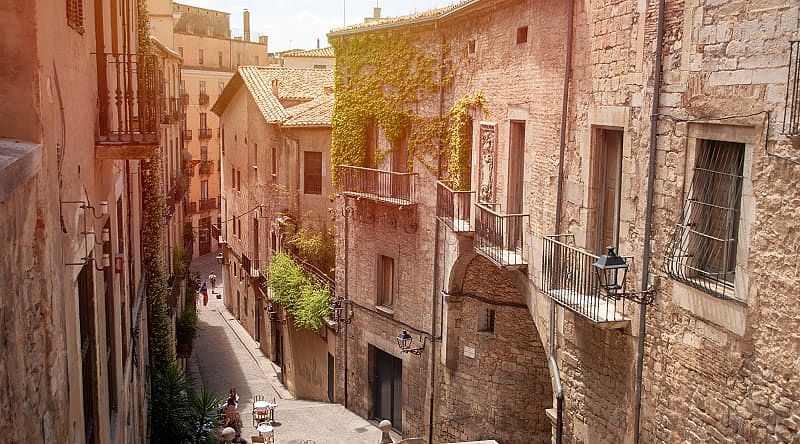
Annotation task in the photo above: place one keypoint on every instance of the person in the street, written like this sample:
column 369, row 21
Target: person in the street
column 228, row 434
column 212, row 278
column 239, row 439
column 204, row 292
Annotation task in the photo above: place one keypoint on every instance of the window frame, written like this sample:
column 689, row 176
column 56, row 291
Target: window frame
column 383, row 299
column 317, row 188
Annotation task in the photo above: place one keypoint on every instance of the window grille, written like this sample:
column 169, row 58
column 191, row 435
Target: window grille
column 791, row 116
column 75, row 15
column 703, row 249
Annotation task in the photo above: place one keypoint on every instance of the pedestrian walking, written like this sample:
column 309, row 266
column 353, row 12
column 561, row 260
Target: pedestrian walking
column 204, row 292
column 213, row 279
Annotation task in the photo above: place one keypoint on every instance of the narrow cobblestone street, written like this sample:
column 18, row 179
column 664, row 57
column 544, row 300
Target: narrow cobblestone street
column 225, row 356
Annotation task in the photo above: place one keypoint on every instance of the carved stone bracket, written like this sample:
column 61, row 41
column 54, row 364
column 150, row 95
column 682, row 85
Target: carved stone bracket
column 487, row 162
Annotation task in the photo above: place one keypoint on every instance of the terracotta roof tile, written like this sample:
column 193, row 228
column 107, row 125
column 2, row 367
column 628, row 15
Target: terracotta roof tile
column 293, row 84
column 317, row 112
column 318, row 52
column 431, row 14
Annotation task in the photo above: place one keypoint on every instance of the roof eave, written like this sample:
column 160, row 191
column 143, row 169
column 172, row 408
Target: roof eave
column 404, row 23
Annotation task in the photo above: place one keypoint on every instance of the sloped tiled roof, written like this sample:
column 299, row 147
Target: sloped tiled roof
column 417, row 17
column 318, row 52
column 317, row 112
column 293, row 84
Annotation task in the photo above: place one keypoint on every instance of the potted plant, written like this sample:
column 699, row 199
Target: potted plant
column 186, row 331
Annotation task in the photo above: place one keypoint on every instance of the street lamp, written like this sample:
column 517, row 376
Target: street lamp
column 220, row 258
column 340, row 312
column 404, row 341
column 611, row 271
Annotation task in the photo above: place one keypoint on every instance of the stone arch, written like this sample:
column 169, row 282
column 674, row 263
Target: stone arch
column 504, row 367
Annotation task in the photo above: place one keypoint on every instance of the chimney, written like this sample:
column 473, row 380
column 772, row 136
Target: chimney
column 317, row 43
column 246, row 19
column 262, row 39
column 275, row 87
column 376, row 12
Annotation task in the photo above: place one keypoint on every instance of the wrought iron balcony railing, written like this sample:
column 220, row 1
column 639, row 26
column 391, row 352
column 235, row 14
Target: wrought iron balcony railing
column 187, row 135
column 208, row 204
column 454, row 208
column 170, row 111
column 190, row 207
column 202, row 99
column 205, row 133
column 129, row 109
column 498, row 236
column 382, row 186
column 570, row 280
column 206, row 167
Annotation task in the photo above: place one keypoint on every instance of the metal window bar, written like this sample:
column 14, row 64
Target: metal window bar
column 129, row 108
column 205, row 133
column 383, row 186
column 187, row 135
column 454, row 208
column 791, row 116
column 570, row 280
column 208, row 204
column 499, row 236
column 702, row 253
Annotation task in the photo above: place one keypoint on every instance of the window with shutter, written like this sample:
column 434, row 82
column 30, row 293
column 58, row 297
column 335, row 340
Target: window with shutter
column 312, row 172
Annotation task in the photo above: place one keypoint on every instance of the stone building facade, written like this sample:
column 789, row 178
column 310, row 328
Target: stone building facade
column 275, row 126
column 81, row 111
column 548, row 185
column 211, row 54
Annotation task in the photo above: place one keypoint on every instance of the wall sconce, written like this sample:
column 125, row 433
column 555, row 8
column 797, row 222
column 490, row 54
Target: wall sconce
column 612, row 271
column 105, row 262
column 86, row 206
column 220, row 258
column 342, row 311
column 405, row 341
column 105, row 236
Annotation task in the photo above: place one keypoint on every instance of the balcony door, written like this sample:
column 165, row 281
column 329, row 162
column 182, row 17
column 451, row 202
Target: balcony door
column 204, row 235
column 516, row 177
column 606, row 189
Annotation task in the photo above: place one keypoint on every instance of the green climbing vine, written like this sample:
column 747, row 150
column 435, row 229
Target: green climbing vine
column 380, row 79
column 304, row 298
column 459, row 140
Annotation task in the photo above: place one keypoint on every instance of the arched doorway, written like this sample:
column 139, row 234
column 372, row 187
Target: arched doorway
column 496, row 381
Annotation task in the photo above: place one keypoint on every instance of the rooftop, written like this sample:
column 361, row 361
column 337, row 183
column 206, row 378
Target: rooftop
column 318, row 52
column 404, row 20
column 274, row 89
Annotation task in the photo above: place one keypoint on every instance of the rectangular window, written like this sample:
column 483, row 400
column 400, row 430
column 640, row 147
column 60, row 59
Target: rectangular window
column 471, row 46
column 522, row 34
column 238, row 180
column 219, row 57
column 312, row 172
column 203, row 190
column 320, row 66
column 202, row 87
column 605, row 191
column 203, row 152
column 486, row 320
column 221, row 86
column 200, row 56
column 180, row 51
column 203, row 121
column 703, row 250
column 257, row 61
column 75, row 15
column 234, row 224
column 238, row 59
column 385, row 281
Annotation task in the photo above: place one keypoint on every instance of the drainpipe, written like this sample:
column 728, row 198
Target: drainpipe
column 347, row 211
column 648, row 219
column 436, row 294
column 552, row 361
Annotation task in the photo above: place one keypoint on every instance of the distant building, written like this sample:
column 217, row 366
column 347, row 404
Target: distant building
column 320, row 58
column 276, row 133
column 211, row 53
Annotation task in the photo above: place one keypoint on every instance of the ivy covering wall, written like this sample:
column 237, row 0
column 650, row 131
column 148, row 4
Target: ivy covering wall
column 381, row 78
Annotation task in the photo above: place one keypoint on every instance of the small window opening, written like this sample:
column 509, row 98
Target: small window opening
column 522, row 34
column 486, row 320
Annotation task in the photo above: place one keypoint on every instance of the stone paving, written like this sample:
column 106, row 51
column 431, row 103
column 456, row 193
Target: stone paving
column 226, row 356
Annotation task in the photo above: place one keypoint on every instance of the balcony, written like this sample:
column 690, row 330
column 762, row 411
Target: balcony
column 187, row 135
column 208, row 204
column 454, row 208
column 129, row 109
column 204, row 133
column 381, row 186
column 190, row 207
column 202, row 99
column 251, row 266
column 499, row 237
column 206, row 167
column 184, row 99
column 569, row 279
column 170, row 111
